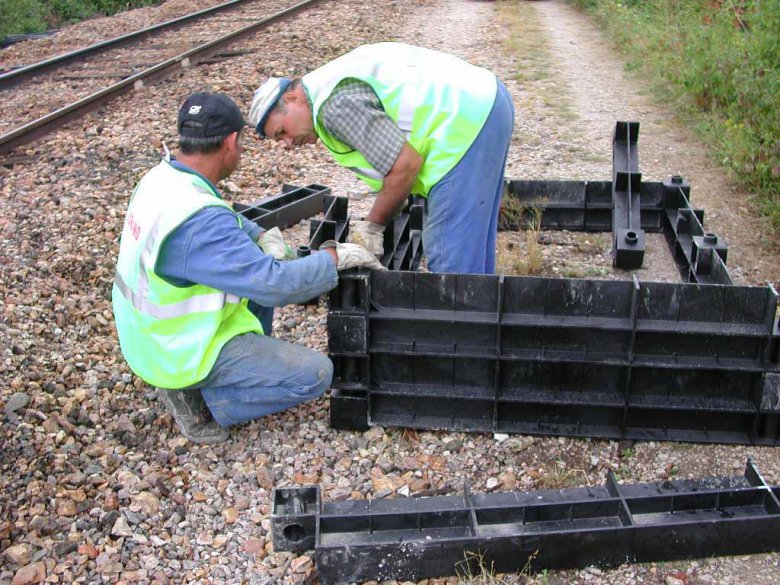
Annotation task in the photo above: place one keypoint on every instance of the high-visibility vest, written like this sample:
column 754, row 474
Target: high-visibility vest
column 438, row 101
column 170, row 335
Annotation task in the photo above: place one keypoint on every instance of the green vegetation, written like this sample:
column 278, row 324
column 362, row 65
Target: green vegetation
column 719, row 61
column 475, row 570
column 30, row 16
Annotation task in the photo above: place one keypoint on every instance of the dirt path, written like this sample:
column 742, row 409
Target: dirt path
column 592, row 77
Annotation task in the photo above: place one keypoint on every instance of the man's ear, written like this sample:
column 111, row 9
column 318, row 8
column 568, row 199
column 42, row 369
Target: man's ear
column 289, row 97
column 296, row 95
column 232, row 140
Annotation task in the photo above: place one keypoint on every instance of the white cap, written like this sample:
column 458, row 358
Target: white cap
column 264, row 101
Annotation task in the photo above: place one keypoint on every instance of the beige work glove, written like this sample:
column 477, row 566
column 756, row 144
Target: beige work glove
column 272, row 242
column 368, row 234
column 352, row 256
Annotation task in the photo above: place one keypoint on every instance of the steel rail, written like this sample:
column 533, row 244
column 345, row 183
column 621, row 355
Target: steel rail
column 42, row 126
column 20, row 74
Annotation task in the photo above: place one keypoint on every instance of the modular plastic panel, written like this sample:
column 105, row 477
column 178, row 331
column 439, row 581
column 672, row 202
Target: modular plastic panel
column 628, row 238
column 292, row 205
column 415, row 538
column 576, row 357
column 700, row 255
column 577, row 205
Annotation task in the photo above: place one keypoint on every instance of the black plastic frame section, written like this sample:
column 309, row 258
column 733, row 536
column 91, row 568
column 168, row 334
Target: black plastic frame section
column 334, row 224
column 628, row 238
column 402, row 239
column 700, row 256
column 416, row 538
column 578, row 205
column 574, row 357
column 292, row 205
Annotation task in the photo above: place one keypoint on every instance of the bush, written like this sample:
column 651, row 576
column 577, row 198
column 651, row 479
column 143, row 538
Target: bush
column 22, row 16
column 720, row 61
column 31, row 16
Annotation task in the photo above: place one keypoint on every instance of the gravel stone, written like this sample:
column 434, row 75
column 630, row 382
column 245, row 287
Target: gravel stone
column 17, row 401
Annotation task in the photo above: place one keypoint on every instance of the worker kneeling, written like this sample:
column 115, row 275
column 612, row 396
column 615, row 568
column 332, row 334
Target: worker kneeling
column 195, row 287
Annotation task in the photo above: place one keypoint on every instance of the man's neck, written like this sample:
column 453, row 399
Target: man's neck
column 207, row 166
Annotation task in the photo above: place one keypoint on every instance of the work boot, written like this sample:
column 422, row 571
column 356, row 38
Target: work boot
column 192, row 416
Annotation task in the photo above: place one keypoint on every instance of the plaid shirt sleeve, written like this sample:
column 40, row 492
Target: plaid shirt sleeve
column 354, row 115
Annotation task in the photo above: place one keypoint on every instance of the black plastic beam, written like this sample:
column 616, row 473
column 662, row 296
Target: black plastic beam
column 292, row 205
column 416, row 538
column 575, row 205
column 587, row 206
column 403, row 238
column 548, row 356
column 334, row 224
column 628, row 238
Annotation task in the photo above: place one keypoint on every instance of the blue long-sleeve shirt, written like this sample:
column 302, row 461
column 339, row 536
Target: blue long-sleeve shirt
column 209, row 248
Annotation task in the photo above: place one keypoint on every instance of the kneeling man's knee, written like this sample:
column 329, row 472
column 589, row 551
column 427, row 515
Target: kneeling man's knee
column 322, row 374
column 314, row 375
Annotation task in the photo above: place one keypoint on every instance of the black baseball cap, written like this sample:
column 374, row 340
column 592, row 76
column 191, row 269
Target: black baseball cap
column 205, row 115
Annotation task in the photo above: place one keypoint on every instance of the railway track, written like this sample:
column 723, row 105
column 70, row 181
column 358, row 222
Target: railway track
column 41, row 97
column 12, row 75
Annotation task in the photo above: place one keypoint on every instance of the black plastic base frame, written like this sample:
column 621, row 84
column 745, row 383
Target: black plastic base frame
column 415, row 538
column 583, row 358
column 292, row 205
column 694, row 361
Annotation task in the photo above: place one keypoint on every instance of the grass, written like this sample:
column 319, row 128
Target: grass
column 475, row 570
column 558, row 476
column 718, row 63
column 529, row 260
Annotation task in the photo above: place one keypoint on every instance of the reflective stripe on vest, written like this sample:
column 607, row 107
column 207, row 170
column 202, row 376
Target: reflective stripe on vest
column 437, row 100
column 369, row 172
column 196, row 304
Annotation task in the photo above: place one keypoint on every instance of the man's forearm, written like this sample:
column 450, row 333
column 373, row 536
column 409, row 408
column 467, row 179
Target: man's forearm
column 396, row 186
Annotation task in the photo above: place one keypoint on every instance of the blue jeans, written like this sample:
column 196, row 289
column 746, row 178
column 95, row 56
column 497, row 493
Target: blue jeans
column 459, row 234
column 256, row 375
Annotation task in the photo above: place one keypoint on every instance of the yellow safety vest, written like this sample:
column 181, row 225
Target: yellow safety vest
column 169, row 335
column 437, row 100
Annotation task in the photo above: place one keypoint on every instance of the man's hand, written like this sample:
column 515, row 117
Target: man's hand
column 368, row 234
column 352, row 256
column 272, row 242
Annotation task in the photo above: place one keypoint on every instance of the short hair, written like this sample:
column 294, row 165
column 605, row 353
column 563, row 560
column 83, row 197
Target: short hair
column 190, row 145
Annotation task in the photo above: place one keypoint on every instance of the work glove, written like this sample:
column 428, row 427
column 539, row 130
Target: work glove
column 368, row 234
column 272, row 243
column 352, row 256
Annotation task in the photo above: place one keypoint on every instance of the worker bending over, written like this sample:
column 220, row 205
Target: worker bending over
column 195, row 287
column 406, row 120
